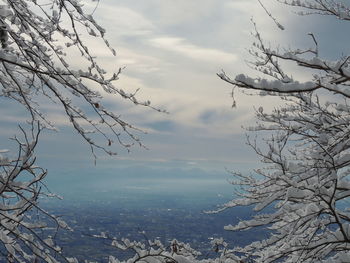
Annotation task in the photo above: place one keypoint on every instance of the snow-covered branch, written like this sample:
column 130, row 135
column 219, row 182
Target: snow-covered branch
column 301, row 193
column 37, row 35
column 21, row 186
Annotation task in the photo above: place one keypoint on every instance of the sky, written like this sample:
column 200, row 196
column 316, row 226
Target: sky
column 171, row 51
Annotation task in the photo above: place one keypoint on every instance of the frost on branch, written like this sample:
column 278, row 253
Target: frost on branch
column 36, row 37
column 301, row 193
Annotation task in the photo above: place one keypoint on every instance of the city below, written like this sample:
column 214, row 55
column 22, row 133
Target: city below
column 163, row 217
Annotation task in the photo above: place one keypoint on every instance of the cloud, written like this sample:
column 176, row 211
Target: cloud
column 168, row 12
column 172, row 51
column 244, row 6
column 187, row 49
column 121, row 20
column 163, row 126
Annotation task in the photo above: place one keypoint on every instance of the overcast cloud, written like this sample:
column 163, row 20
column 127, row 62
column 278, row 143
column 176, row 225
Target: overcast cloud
column 172, row 51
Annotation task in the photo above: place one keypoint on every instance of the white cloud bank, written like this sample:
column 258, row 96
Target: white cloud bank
column 172, row 51
column 187, row 49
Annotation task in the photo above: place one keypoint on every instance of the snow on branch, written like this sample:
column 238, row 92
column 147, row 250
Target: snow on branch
column 21, row 186
column 35, row 37
column 302, row 190
column 321, row 7
column 174, row 252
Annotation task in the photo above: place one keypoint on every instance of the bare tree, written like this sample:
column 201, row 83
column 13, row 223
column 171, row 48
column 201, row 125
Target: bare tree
column 36, row 37
column 21, row 235
column 303, row 190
